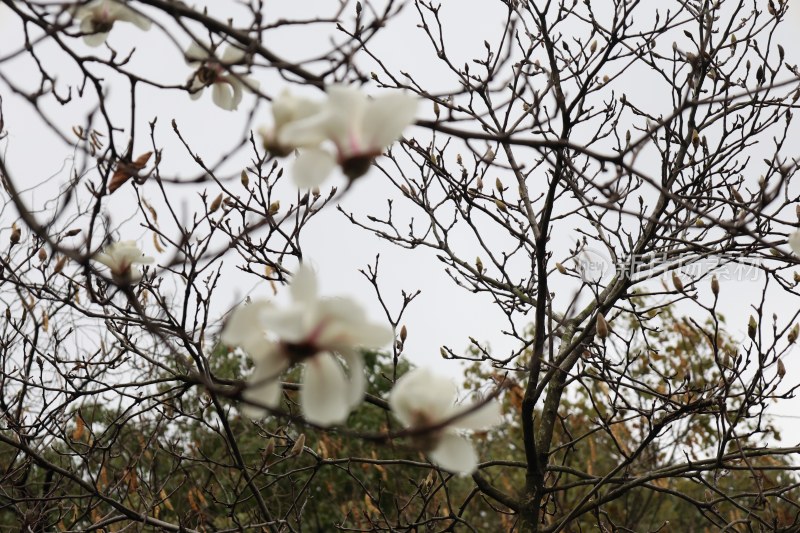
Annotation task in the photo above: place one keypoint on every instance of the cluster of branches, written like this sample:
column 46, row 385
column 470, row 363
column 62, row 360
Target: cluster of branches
column 629, row 134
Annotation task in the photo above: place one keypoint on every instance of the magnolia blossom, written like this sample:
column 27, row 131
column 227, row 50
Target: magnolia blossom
column 320, row 333
column 794, row 242
column 120, row 258
column 287, row 108
column 360, row 128
column 98, row 17
column 227, row 89
column 421, row 399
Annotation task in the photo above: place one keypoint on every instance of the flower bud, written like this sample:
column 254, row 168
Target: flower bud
column 561, row 268
column 297, row 449
column 501, row 205
column 781, row 369
column 479, row 265
column 60, row 264
column 714, row 285
column 499, row 185
column 315, row 192
column 245, row 179
column 215, row 204
column 270, row 448
column 16, row 234
column 274, row 207
column 676, row 281
column 42, row 255
column 601, row 326
column 752, row 327
column 403, row 333
column 793, row 333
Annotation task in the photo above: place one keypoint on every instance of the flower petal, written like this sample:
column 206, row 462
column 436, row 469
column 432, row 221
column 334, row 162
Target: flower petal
column 233, row 55
column 245, row 328
column 358, row 381
column 455, row 454
column 95, row 39
column 304, row 287
column 224, row 96
column 385, row 119
column 324, row 396
column 794, row 242
column 312, row 166
column 264, row 388
column 124, row 13
column 310, row 130
column 485, row 417
column 421, row 392
column 196, row 53
column 291, row 324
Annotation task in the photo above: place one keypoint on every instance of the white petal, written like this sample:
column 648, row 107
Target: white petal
column 291, row 324
column 308, row 131
column 421, row 392
column 794, row 242
column 485, row 417
column 304, row 286
column 196, row 53
column 312, row 166
column 233, row 55
column 347, row 326
column 324, row 396
column 386, row 118
column 126, row 14
column 455, row 454
column 95, row 39
column 264, row 388
column 358, row 381
column 224, row 96
column 245, row 327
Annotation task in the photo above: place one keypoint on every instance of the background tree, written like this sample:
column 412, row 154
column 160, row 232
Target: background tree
column 585, row 153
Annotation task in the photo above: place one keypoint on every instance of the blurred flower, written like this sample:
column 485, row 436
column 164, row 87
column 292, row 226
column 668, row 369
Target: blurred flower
column 98, row 17
column 227, row 88
column 794, row 242
column 311, row 330
column 120, row 257
column 421, row 399
column 360, row 127
column 287, row 108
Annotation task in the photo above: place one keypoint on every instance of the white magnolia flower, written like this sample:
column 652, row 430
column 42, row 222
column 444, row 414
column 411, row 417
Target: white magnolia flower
column 287, row 108
column 227, row 88
column 316, row 332
column 98, row 17
column 421, row 398
column 794, row 242
column 360, row 127
column 120, row 257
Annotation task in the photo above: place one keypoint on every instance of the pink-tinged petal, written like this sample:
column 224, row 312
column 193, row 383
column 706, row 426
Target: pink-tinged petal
column 794, row 242
column 420, row 392
column 485, row 417
column 304, row 287
column 385, row 119
column 455, row 454
column 224, row 96
column 312, row 167
column 324, row 396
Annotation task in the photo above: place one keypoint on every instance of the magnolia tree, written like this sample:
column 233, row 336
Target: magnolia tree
column 605, row 178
